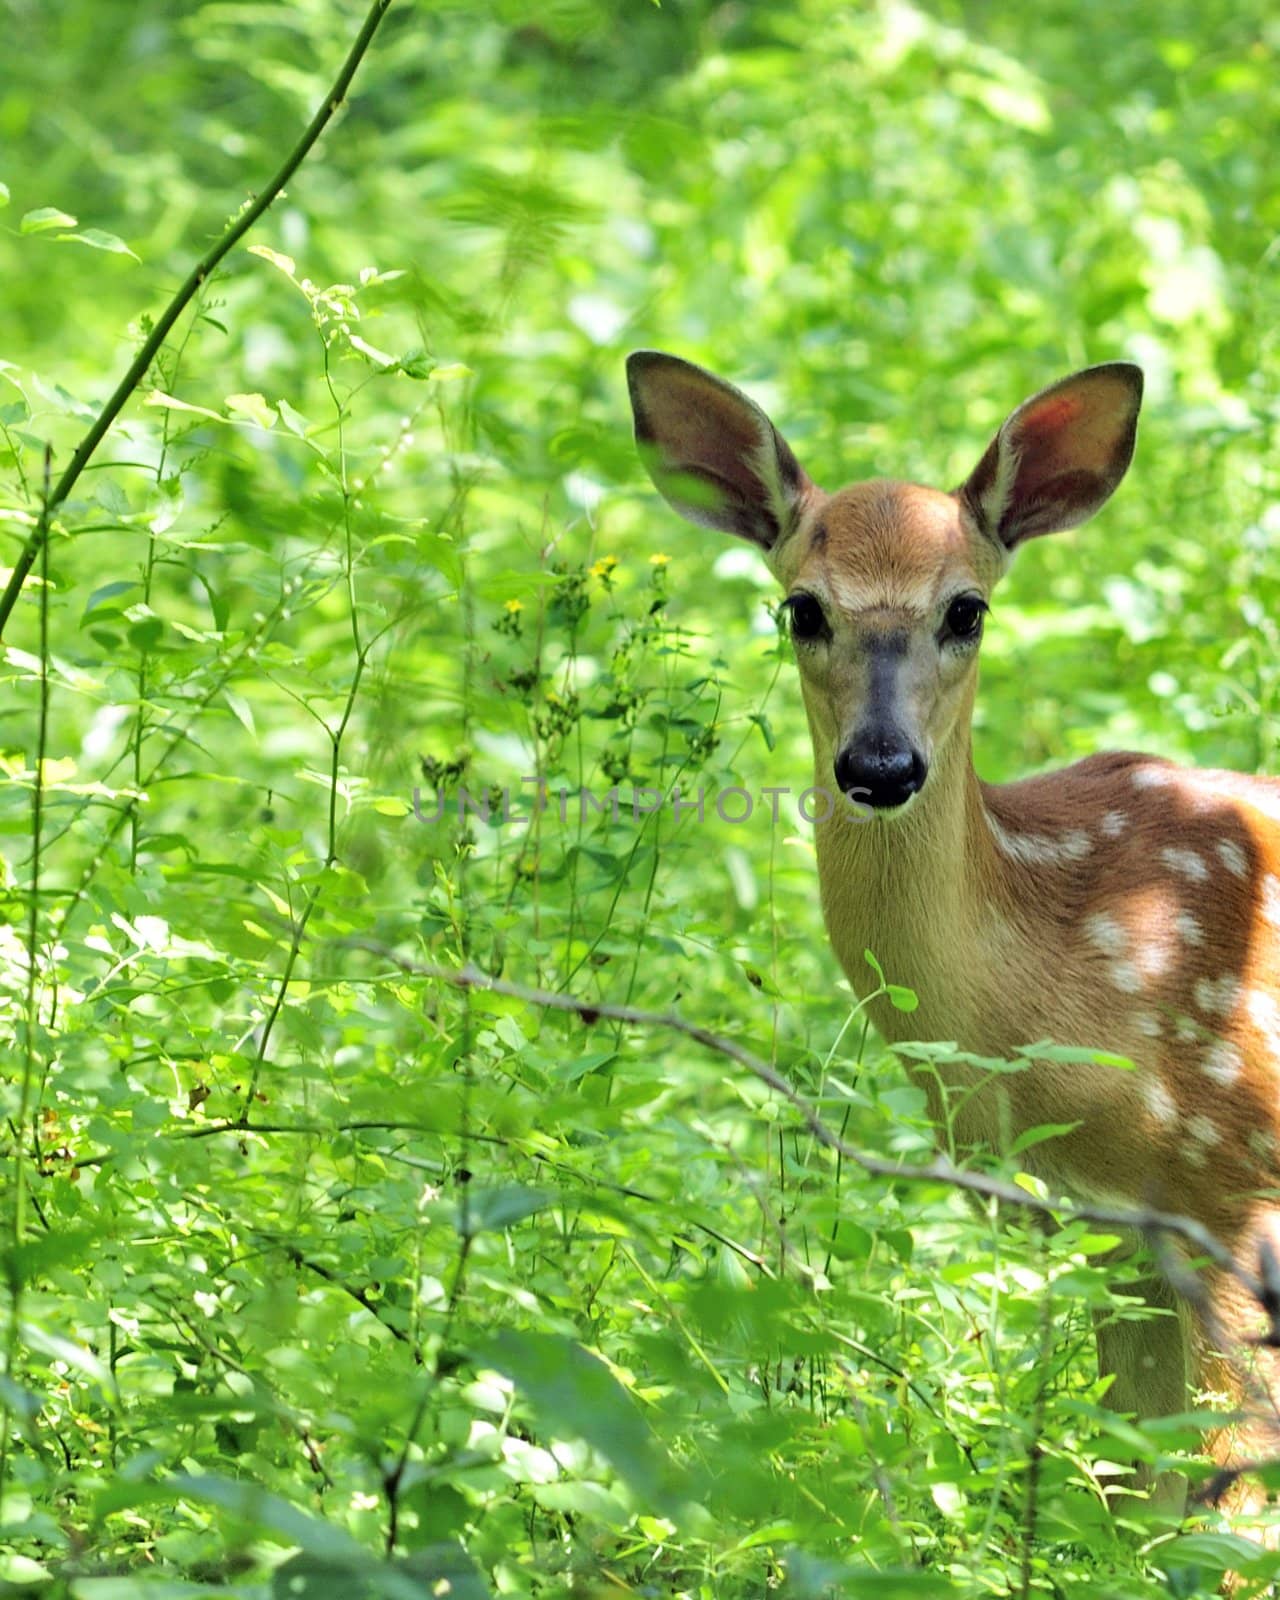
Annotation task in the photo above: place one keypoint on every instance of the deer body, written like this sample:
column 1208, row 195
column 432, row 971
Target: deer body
column 1122, row 904
column 1063, row 912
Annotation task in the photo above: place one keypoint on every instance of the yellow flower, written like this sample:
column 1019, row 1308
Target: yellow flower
column 604, row 567
column 514, row 606
column 660, row 560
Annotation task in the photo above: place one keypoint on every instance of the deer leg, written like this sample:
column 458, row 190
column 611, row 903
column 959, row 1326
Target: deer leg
column 1150, row 1363
column 1237, row 1370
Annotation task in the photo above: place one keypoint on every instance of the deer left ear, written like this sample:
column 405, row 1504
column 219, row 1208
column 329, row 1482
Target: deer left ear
column 712, row 453
column 1057, row 458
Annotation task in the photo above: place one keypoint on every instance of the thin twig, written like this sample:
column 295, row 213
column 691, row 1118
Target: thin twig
column 231, row 235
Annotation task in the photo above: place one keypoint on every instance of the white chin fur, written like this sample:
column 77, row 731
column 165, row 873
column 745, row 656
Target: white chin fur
column 862, row 811
column 892, row 813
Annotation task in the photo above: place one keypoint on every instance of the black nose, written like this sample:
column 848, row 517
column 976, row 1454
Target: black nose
column 880, row 772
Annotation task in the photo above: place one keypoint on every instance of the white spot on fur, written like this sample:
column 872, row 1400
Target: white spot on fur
column 1126, row 977
column 1159, row 1101
column 1041, row 849
column 1262, row 1144
column 1271, row 899
column 1113, row 824
column 1218, row 995
column 1264, row 1013
column 1153, row 777
column 1189, row 929
column 1262, row 800
column 1187, row 862
column 1204, row 1131
column 1187, row 1032
column 1154, row 956
column 1223, row 1063
column 1194, row 1156
column 1147, row 1022
column 1105, row 933
column 1232, row 857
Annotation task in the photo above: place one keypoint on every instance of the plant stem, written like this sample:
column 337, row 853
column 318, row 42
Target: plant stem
column 18, row 1221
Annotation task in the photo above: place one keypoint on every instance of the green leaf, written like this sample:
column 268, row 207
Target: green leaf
column 573, row 1392
column 97, row 239
column 254, row 407
column 20, row 1264
column 277, row 259
column 24, row 1402
column 240, row 709
column 746, row 891
column 59, row 1348
column 416, row 364
column 582, row 1497
column 293, row 420
column 902, row 998
column 108, row 591
column 146, row 633
column 380, row 358
column 1073, row 1055
column 1216, row 1552
column 1034, row 1136
column 851, row 1242
column 44, row 219
column 143, row 1586
column 243, row 1500
column 20, row 1569
column 493, row 1210
column 168, row 402
column 4, row 195
column 570, row 1070
column 762, row 722
column 811, row 1577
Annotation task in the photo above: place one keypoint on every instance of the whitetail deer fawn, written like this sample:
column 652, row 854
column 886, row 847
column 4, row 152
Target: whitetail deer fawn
column 1123, row 903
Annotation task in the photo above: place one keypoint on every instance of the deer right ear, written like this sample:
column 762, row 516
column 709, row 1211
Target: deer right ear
column 713, row 454
column 1058, row 457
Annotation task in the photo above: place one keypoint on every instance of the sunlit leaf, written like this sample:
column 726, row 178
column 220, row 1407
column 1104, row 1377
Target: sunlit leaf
column 97, row 239
column 275, row 257
column 253, row 407
column 45, row 218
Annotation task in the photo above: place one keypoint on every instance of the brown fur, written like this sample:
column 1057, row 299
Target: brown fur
column 1121, row 904
column 998, row 951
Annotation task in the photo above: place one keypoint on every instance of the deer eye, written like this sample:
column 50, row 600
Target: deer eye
column 964, row 616
column 807, row 618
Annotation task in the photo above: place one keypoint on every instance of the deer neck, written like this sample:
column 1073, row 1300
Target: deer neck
column 922, row 891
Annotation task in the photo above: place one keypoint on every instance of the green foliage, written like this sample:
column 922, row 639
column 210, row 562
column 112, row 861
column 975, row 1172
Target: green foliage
column 325, row 1279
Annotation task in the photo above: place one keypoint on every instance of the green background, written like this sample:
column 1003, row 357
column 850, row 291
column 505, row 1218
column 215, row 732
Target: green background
column 322, row 1278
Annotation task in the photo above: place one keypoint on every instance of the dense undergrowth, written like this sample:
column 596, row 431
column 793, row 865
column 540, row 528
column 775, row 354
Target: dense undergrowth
column 326, row 1278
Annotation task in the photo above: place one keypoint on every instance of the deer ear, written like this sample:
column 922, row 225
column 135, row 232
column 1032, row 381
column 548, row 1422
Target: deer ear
column 712, row 453
column 1058, row 457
